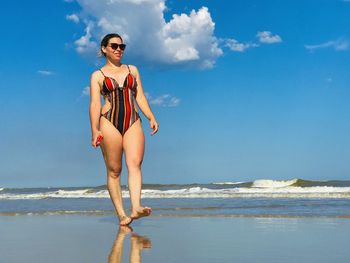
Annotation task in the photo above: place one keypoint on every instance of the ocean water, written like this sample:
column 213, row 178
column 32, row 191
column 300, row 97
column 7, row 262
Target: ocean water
column 260, row 198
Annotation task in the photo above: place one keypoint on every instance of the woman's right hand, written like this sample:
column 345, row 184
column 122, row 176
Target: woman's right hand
column 95, row 135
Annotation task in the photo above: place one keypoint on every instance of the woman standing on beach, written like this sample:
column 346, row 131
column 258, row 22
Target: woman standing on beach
column 116, row 126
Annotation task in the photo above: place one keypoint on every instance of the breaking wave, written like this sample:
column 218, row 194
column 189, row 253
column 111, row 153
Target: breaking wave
column 294, row 188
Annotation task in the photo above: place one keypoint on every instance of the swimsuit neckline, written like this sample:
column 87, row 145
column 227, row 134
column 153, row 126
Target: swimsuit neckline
column 117, row 81
column 125, row 78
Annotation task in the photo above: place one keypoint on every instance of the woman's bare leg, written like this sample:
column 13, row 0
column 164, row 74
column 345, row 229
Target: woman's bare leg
column 112, row 150
column 138, row 243
column 134, row 145
column 116, row 254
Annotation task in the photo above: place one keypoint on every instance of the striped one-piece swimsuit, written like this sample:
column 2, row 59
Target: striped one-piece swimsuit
column 122, row 113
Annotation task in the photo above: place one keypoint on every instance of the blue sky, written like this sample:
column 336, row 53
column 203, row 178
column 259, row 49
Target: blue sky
column 242, row 90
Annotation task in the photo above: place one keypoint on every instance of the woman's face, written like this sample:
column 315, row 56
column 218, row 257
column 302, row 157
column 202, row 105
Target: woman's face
column 113, row 54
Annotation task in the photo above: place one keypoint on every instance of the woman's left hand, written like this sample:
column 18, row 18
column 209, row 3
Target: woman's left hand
column 154, row 126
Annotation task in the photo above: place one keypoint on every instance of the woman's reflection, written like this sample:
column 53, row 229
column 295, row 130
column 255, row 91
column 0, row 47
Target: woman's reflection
column 137, row 243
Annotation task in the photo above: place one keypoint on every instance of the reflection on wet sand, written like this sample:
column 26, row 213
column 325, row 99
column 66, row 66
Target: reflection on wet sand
column 137, row 243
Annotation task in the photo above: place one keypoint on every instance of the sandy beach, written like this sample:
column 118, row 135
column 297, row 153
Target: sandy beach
column 91, row 238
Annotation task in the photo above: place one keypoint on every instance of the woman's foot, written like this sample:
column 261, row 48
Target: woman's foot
column 140, row 212
column 140, row 241
column 124, row 230
column 125, row 220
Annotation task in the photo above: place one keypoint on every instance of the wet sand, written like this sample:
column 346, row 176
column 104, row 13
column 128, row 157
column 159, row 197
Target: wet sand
column 93, row 238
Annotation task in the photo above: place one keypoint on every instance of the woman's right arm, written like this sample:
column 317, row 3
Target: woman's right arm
column 95, row 108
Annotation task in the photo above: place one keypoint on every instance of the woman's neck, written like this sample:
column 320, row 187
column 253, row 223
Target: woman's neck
column 114, row 64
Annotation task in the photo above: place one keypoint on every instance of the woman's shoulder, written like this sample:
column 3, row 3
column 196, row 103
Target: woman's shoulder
column 97, row 77
column 97, row 74
column 133, row 69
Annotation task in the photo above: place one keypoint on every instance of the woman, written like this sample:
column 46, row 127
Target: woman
column 119, row 124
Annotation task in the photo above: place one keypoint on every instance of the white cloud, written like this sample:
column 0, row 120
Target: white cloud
column 173, row 102
column 45, row 72
column 267, row 37
column 73, row 17
column 86, row 91
column 164, row 100
column 184, row 40
column 234, row 45
column 84, row 45
column 338, row 45
column 187, row 39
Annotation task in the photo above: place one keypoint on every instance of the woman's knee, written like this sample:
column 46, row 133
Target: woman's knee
column 114, row 171
column 134, row 163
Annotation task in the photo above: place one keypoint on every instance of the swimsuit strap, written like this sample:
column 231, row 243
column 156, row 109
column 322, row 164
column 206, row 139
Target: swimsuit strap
column 102, row 72
column 128, row 68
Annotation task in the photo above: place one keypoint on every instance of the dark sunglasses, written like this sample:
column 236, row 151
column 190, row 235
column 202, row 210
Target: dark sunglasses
column 115, row 46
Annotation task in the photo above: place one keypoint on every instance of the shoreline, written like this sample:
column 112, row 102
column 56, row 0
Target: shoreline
column 102, row 214
column 174, row 239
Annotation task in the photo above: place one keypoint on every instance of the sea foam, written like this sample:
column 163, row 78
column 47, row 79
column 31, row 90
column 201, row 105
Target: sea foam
column 294, row 188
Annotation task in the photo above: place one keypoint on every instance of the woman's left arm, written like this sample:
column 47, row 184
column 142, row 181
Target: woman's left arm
column 142, row 101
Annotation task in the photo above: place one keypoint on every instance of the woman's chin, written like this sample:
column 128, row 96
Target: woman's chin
column 115, row 58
